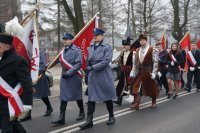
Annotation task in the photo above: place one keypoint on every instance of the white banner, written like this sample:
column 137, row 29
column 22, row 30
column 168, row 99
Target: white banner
column 31, row 43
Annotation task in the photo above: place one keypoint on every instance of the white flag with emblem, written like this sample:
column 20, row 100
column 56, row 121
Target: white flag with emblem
column 30, row 40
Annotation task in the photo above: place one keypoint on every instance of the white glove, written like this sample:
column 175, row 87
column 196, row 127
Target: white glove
column 192, row 69
column 159, row 74
column 132, row 74
column 172, row 63
column 153, row 76
column 198, row 67
column 27, row 108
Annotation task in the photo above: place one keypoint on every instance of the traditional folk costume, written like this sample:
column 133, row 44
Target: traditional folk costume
column 145, row 65
column 125, row 63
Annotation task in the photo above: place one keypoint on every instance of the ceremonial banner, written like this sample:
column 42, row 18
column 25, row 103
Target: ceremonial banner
column 163, row 42
column 186, row 45
column 198, row 44
column 84, row 38
column 31, row 43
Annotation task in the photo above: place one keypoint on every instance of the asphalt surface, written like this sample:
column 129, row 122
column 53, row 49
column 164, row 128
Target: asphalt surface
column 170, row 116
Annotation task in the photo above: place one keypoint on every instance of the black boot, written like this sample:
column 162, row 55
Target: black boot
column 88, row 123
column 26, row 117
column 111, row 120
column 49, row 107
column 109, row 106
column 48, row 112
column 61, row 119
column 81, row 115
column 119, row 101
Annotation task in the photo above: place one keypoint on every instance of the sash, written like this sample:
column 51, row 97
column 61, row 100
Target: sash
column 174, row 60
column 191, row 58
column 68, row 65
column 15, row 105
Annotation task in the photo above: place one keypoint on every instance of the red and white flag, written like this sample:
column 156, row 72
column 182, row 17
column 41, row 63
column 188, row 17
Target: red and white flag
column 15, row 104
column 31, row 43
column 186, row 45
column 163, row 41
column 198, row 44
column 84, row 38
column 191, row 58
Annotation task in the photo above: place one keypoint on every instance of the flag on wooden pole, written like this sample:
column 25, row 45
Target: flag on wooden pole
column 186, row 45
column 84, row 38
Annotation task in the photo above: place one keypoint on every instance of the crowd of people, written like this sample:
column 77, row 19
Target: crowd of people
column 145, row 69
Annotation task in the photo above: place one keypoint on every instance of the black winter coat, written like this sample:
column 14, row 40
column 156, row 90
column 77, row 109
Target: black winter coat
column 14, row 69
column 175, row 68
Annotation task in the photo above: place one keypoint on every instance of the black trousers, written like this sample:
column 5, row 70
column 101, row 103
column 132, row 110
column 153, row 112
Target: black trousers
column 109, row 105
column 162, row 81
column 63, row 105
column 182, row 81
column 196, row 75
column 13, row 126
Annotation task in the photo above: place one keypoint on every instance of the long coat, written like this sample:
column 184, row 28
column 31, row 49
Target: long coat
column 100, row 80
column 15, row 69
column 71, row 88
column 42, row 86
column 150, row 87
column 125, row 79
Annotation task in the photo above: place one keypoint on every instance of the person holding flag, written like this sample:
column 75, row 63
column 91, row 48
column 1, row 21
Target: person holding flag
column 100, row 79
column 15, row 86
column 193, row 60
column 71, row 78
column 174, row 60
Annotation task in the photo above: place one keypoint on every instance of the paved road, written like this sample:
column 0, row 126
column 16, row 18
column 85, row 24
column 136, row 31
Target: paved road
column 171, row 116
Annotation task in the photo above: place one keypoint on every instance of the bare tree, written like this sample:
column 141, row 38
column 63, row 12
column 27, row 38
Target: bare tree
column 177, row 27
column 76, row 19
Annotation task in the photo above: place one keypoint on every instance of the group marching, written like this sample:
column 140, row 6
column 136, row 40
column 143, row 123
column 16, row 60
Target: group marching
column 144, row 71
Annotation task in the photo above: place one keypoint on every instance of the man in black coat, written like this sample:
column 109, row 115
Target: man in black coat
column 13, row 70
column 193, row 60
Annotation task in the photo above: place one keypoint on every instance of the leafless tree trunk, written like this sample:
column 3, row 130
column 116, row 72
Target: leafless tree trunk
column 77, row 19
column 178, row 28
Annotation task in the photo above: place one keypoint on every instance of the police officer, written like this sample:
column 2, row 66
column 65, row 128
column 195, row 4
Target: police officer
column 100, row 79
column 71, row 80
column 13, row 70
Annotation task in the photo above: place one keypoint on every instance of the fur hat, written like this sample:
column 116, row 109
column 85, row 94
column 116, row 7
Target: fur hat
column 142, row 36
